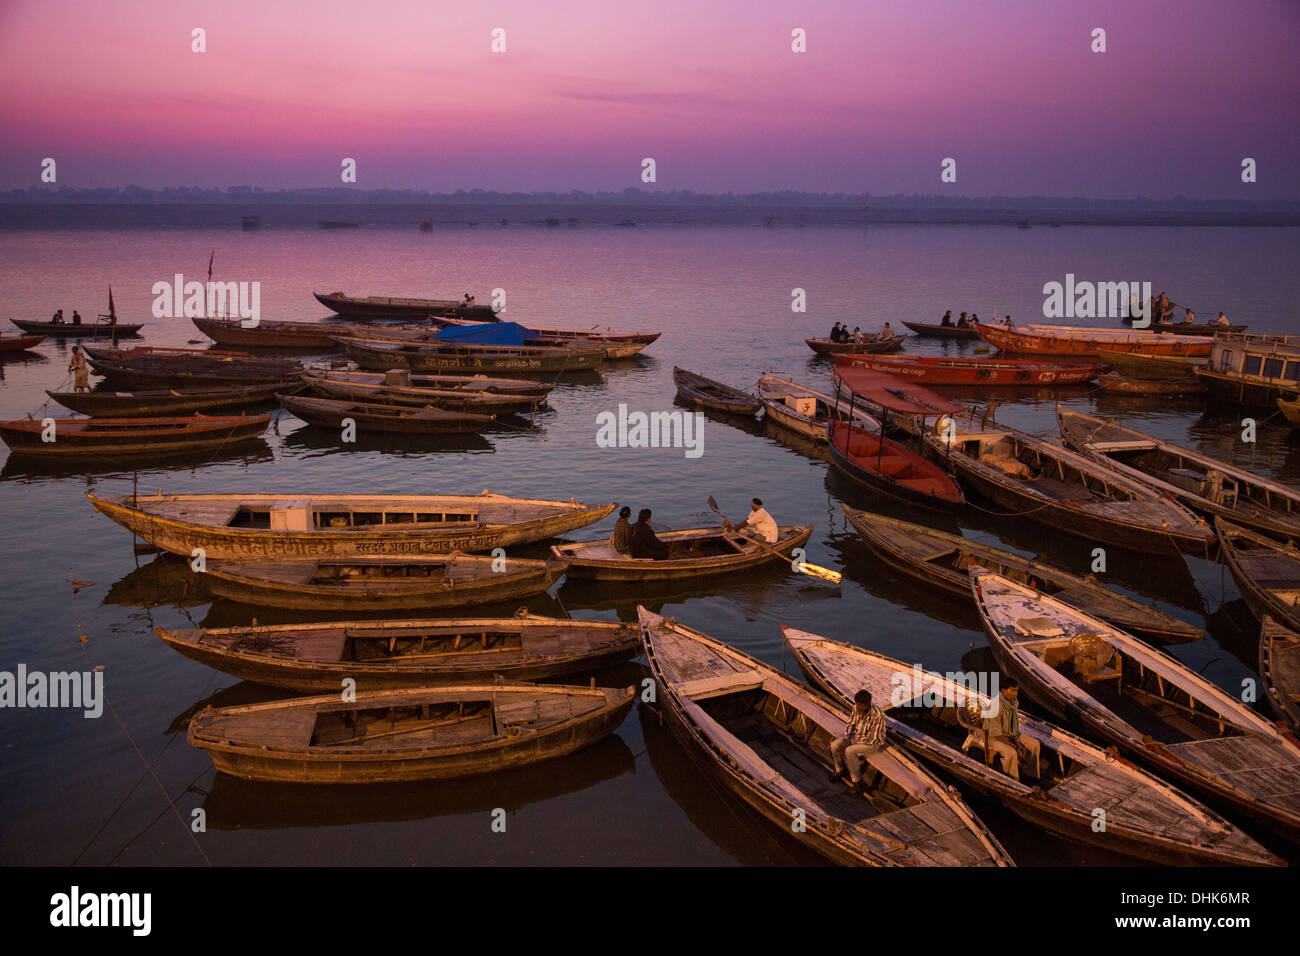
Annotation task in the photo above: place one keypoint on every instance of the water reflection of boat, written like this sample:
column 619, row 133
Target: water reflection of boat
column 19, row 467
column 166, row 580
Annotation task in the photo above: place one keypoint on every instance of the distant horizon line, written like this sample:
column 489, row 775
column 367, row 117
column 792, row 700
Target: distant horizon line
column 132, row 193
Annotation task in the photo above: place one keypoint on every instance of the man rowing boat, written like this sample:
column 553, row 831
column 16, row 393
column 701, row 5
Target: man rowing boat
column 758, row 521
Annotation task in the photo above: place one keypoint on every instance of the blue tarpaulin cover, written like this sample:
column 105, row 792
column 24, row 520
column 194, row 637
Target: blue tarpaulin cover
column 488, row 333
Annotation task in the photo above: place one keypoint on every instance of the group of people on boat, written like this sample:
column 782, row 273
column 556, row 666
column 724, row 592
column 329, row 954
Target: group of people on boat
column 58, row 319
column 999, row 733
column 638, row 540
column 467, row 302
column 840, row 334
column 1163, row 310
column 961, row 323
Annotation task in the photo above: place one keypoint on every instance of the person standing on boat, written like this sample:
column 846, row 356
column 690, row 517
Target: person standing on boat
column 1003, row 728
column 947, row 319
column 622, row 535
column 864, row 737
column 643, row 542
column 78, row 368
column 835, row 332
column 759, row 521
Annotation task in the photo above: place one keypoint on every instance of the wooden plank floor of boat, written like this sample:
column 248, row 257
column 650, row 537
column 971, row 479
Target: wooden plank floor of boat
column 1256, row 766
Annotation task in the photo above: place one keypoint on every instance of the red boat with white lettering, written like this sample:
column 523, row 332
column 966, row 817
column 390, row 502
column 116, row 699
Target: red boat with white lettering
column 941, row 370
column 1075, row 340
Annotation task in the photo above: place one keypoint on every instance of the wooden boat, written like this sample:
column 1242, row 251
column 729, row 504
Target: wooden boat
column 1253, row 370
column 166, row 401
column 499, row 359
column 876, row 462
column 1291, row 410
column 86, row 330
column 700, row 392
column 1136, row 365
column 940, row 370
column 151, row 356
column 617, row 345
column 1207, row 485
column 865, row 347
column 296, row 526
column 1050, row 484
column 166, row 376
column 385, row 307
column 19, row 343
column 402, row 378
column 801, row 409
column 389, row 419
column 1195, row 328
column 1123, row 385
column 767, row 737
column 269, row 335
column 129, row 436
column 1279, row 667
column 1267, row 572
column 937, row 558
column 379, row 584
column 692, row 553
column 1072, row 340
column 421, row 733
column 936, row 330
column 1145, row 817
column 458, row 400
column 1143, row 700
column 407, row 653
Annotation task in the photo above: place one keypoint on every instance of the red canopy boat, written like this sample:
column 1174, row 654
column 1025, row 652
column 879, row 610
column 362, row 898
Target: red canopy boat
column 871, row 459
column 939, row 370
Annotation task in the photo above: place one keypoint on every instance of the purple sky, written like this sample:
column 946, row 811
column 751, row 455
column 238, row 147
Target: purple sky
column 712, row 91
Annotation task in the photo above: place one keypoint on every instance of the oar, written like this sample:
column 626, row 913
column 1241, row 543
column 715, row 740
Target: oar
column 826, row 574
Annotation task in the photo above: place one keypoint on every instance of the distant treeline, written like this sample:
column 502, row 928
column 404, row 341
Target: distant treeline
column 254, row 195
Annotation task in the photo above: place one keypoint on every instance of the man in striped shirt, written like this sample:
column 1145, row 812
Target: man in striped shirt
column 864, row 736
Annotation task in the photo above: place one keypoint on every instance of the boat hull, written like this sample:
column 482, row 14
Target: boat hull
column 870, row 347
column 861, row 470
column 370, row 309
column 1078, row 342
column 647, row 569
column 506, row 362
column 939, row 331
column 86, row 330
column 929, row 370
column 175, row 436
column 180, row 536
column 164, row 402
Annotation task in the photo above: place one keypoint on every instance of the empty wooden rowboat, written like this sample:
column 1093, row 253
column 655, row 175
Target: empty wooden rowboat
column 1030, row 476
column 418, row 733
column 1207, row 485
column 1136, row 365
column 380, row 584
column 869, row 346
column 1123, row 385
column 19, row 343
column 1143, row 700
column 400, row 377
column 388, row 307
column 1279, row 666
column 700, row 392
column 129, row 436
column 692, row 553
column 804, row 410
column 272, row 334
column 501, row 360
column 387, row 419
column 455, row 400
column 767, row 737
column 939, row 720
column 943, row 559
column 295, row 526
column 166, row 401
column 1076, row 340
column 1266, row 571
column 407, row 653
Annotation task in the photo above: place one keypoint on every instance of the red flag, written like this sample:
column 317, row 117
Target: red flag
column 110, row 301
column 210, row 258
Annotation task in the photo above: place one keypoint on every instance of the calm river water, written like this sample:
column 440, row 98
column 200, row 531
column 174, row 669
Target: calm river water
column 76, row 596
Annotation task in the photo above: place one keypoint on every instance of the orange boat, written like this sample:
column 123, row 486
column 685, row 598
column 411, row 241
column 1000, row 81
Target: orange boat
column 871, row 459
column 1073, row 340
column 937, row 370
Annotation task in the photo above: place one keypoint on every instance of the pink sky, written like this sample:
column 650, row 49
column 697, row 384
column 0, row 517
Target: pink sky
column 712, row 91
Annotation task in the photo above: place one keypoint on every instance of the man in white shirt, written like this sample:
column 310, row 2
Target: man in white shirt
column 760, row 521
